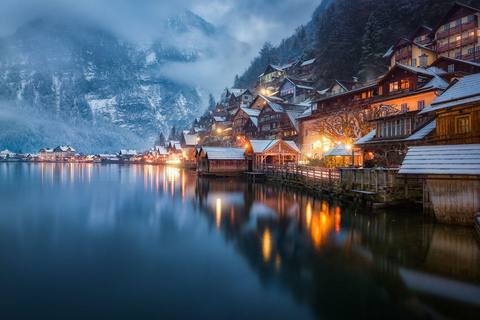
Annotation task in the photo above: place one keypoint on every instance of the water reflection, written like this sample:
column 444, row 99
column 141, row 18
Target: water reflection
column 156, row 242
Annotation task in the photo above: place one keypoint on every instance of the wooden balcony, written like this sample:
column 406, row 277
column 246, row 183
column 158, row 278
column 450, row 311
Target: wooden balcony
column 403, row 55
column 457, row 44
column 457, row 29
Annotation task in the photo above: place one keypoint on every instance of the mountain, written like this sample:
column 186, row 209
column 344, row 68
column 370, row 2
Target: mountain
column 339, row 37
column 100, row 92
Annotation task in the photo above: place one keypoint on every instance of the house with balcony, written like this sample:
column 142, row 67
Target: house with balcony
column 411, row 53
column 239, row 98
column 457, row 33
column 240, row 119
column 403, row 93
column 295, row 90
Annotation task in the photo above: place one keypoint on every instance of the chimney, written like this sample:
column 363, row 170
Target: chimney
column 424, row 61
column 355, row 79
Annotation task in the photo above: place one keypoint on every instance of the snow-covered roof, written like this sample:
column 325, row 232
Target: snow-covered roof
column 177, row 146
column 306, row 113
column 269, row 98
column 306, row 63
column 322, row 92
column 254, row 120
column 305, row 87
column 388, row 53
column 64, row 148
column 7, row 152
column 466, row 90
column 422, row 133
column 260, row 146
column 125, row 152
column 251, row 112
column 461, row 159
column 161, row 150
column 293, row 115
column 369, row 136
column 224, row 153
column 219, row 119
column 339, row 150
column 190, row 139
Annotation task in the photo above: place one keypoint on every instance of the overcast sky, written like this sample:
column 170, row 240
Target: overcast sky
column 250, row 21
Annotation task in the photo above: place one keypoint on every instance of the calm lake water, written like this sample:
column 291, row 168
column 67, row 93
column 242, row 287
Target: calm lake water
column 151, row 242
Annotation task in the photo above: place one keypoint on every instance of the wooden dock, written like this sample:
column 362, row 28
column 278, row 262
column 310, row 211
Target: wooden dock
column 255, row 176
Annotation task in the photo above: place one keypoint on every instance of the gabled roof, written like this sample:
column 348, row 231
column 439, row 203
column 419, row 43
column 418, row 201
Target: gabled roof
column 219, row 119
column 261, row 146
column 254, row 120
column 223, row 153
column 339, row 150
column 432, row 72
column 461, row 159
column 161, row 150
column 189, row 139
column 293, row 116
column 250, row 112
column 474, row 64
column 306, row 113
column 420, row 31
column 306, row 63
column 466, row 90
column 456, row 6
column 423, row 132
column 64, row 149
column 125, row 152
column 366, row 138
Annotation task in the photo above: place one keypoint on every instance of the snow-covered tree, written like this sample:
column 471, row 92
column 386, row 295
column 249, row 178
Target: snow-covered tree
column 211, row 102
column 371, row 57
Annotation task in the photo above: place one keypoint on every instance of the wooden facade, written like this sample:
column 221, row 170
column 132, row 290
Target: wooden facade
column 221, row 161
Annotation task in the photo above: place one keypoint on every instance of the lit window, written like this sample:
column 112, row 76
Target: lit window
column 405, row 84
column 394, row 86
column 458, row 38
column 463, row 124
column 471, row 33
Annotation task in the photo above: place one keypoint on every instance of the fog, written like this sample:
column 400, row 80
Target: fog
column 139, row 21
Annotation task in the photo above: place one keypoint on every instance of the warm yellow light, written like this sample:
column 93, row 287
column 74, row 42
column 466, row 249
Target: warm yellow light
column 324, row 139
column 325, row 148
column 266, row 245
column 348, row 147
column 308, row 215
column 246, row 146
column 198, row 139
column 238, row 137
column 218, row 212
column 309, row 155
column 219, row 130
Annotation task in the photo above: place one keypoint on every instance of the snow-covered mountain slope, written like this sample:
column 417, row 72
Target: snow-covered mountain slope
column 85, row 77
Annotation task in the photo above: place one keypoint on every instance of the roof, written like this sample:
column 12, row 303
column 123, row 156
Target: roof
column 339, row 150
column 423, row 132
column 190, row 139
column 128, row 152
column 293, row 115
column 461, row 159
column 64, row 148
column 305, row 87
column 450, row 11
column 456, row 60
column 251, row 112
column 306, row 63
column 254, row 121
column 219, row 119
column 369, row 136
column 306, row 113
column 224, row 153
column 260, row 146
column 466, row 90
column 161, row 150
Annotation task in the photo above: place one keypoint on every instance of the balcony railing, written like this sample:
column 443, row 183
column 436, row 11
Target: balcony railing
column 457, row 44
column 457, row 29
column 403, row 55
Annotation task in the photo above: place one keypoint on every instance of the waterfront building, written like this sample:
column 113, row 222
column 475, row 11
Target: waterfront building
column 221, row 161
column 265, row 152
column 64, row 152
column 46, row 154
column 188, row 144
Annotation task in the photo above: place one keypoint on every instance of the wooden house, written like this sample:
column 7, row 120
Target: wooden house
column 188, row 144
column 411, row 53
column 272, row 76
column 295, row 91
column 264, row 152
column 240, row 119
column 250, row 129
column 269, row 119
column 239, row 98
column 306, row 68
column 457, row 113
column 221, row 161
column 288, row 127
column 456, row 34
column 455, row 68
column 451, row 176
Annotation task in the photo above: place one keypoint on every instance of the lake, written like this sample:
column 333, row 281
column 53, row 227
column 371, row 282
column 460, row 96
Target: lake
column 88, row 241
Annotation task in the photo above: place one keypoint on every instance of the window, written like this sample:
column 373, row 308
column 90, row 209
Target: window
column 470, row 51
column 306, row 132
column 478, row 49
column 458, row 38
column 407, row 126
column 447, row 26
column 420, row 104
column 451, row 68
column 405, row 84
column 390, row 129
column 471, row 18
column 380, row 89
column 471, row 34
column 458, row 54
column 274, row 125
column 394, row 86
column 404, row 107
column 463, row 124
column 458, row 22
column 414, row 62
column 314, row 107
column 419, row 39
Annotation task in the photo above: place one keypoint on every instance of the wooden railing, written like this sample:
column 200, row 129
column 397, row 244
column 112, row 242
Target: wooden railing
column 365, row 179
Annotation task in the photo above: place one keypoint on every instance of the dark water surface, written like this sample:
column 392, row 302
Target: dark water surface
column 146, row 242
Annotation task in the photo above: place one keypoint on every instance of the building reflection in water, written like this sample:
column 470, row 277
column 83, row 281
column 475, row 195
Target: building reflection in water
column 328, row 244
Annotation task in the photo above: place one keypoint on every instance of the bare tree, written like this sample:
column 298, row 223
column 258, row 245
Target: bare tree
column 351, row 123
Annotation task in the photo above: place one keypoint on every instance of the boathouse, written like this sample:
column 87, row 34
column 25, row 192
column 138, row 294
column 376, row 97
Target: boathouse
column 451, row 176
column 221, row 161
column 264, row 152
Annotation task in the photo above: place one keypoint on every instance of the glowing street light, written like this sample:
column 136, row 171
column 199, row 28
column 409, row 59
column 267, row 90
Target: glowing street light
column 219, row 130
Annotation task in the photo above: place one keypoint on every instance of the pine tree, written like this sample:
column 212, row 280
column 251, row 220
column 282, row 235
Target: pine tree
column 371, row 58
column 160, row 141
column 173, row 134
column 211, row 102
